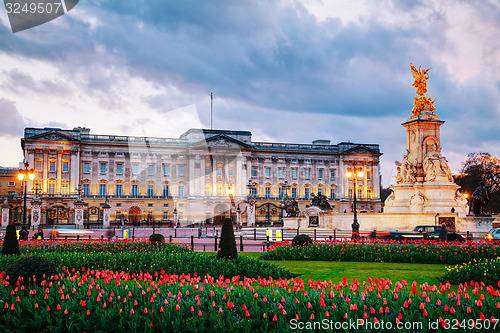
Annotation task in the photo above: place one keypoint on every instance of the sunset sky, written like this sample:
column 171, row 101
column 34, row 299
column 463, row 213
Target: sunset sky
column 288, row 71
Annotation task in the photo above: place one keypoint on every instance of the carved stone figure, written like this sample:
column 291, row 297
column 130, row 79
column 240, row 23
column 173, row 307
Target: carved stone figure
column 320, row 201
column 408, row 170
column 435, row 164
column 398, row 177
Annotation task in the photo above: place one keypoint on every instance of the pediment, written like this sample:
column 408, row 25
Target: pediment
column 361, row 149
column 224, row 141
column 53, row 136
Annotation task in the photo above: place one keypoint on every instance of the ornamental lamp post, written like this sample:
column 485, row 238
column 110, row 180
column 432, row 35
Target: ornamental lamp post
column 355, row 224
column 25, row 175
column 285, row 188
column 230, row 192
column 466, row 196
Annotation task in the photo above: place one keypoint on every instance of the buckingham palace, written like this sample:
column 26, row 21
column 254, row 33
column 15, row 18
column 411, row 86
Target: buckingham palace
column 197, row 178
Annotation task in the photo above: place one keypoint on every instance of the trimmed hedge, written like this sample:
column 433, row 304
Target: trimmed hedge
column 30, row 270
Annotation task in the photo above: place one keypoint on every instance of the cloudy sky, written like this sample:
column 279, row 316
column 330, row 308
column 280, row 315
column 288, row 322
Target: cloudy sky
column 286, row 70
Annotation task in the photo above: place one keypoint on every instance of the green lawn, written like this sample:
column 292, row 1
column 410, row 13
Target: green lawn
column 326, row 270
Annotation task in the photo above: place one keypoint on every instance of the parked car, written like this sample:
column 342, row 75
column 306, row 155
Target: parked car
column 421, row 232
column 493, row 235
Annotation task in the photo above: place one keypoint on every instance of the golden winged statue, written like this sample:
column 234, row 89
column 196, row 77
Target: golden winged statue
column 421, row 104
column 421, row 78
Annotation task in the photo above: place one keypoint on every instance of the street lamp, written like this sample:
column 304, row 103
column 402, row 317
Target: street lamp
column 251, row 188
column 25, row 175
column 466, row 196
column 230, row 192
column 285, row 188
column 355, row 224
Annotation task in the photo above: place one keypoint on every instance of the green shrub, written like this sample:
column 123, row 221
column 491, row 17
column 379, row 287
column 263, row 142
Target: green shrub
column 301, row 240
column 10, row 242
column 31, row 269
column 157, row 238
column 227, row 245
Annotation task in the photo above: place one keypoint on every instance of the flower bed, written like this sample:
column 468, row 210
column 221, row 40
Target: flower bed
column 486, row 270
column 141, row 256
column 428, row 252
column 94, row 300
column 89, row 246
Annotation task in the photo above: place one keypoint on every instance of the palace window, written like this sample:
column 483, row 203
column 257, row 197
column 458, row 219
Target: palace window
column 181, row 191
column 118, row 190
column 52, row 166
column 294, row 173
column 86, row 189
column 254, row 172
column 151, row 190
column 119, row 168
column 231, row 172
column 268, row 172
column 332, row 193
column 135, row 169
column 281, row 172
column 320, row 174
column 151, row 169
column 360, row 192
column 307, row 173
column 135, row 190
column 65, row 166
column 165, row 191
column 38, row 165
column 369, row 193
column 166, row 169
column 65, row 188
column 369, row 174
column 294, row 192
column 52, row 188
column 332, row 174
column 181, row 170
column 280, row 192
column 307, row 193
column 103, row 167
column 86, row 167
column 268, row 192
column 102, row 189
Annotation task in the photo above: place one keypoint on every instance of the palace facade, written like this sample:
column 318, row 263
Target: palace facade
column 196, row 178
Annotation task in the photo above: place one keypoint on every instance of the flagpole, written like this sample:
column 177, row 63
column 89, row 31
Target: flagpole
column 211, row 110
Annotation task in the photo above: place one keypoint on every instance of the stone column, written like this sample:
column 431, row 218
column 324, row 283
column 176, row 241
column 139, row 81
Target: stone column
column 58, row 188
column 79, row 213
column 106, row 214
column 250, row 213
column 5, row 214
column 35, row 213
